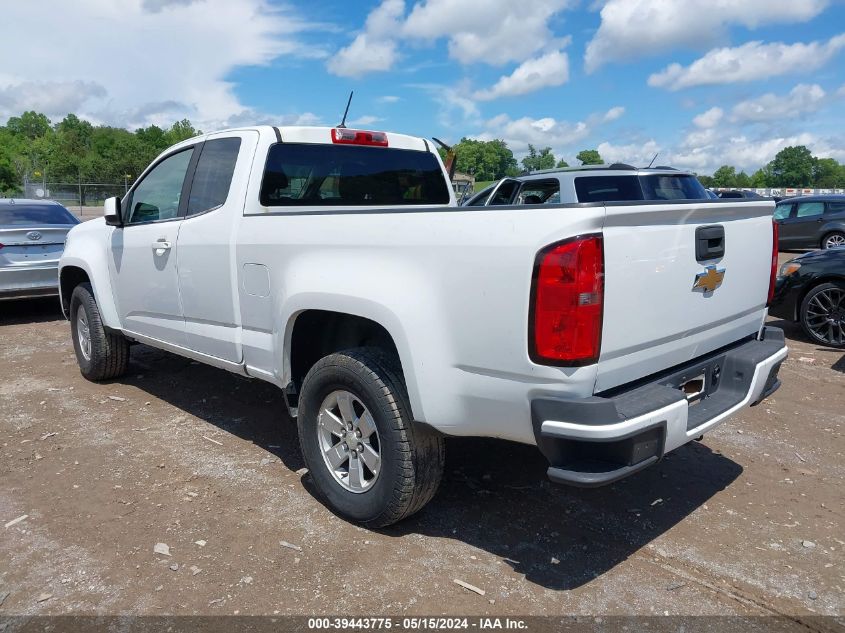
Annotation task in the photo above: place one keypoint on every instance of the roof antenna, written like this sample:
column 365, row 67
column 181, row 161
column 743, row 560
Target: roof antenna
column 649, row 165
column 345, row 112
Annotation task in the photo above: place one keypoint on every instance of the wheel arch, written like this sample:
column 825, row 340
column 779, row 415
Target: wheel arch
column 314, row 332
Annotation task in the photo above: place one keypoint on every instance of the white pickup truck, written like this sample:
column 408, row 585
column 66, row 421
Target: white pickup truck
column 335, row 264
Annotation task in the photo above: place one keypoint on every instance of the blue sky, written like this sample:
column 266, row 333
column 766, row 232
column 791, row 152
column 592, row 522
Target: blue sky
column 701, row 82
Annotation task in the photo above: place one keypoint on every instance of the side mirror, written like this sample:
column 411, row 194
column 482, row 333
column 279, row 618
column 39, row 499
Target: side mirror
column 111, row 211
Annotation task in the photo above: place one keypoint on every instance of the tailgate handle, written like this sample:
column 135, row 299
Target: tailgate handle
column 709, row 243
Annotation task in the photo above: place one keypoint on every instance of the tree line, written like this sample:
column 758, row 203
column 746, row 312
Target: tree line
column 492, row 160
column 791, row 167
column 74, row 150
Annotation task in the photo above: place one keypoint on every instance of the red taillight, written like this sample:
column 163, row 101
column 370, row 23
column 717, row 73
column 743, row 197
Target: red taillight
column 358, row 137
column 774, row 273
column 567, row 303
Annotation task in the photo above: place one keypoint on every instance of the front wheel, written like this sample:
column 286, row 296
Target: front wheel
column 369, row 461
column 100, row 354
column 823, row 314
column 833, row 240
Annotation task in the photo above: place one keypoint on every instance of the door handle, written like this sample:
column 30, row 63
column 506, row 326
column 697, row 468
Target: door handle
column 160, row 246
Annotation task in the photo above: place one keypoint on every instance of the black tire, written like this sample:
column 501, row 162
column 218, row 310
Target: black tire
column 836, row 236
column 109, row 355
column 824, row 336
column 412, row 456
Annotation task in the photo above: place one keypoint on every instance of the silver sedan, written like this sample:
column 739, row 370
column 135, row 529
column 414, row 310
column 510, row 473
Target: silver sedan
column 32, row 238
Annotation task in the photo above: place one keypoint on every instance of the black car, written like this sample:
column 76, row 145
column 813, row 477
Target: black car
column 811, row 290
column 743, row 194
column 811, row 222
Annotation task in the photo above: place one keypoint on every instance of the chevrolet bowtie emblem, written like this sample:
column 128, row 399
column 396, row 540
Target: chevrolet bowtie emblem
column 709, row 280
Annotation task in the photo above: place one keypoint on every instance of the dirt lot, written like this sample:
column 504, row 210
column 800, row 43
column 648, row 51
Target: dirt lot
column 749, row 521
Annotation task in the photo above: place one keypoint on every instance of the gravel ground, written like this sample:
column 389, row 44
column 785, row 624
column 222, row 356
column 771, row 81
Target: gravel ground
column 749, row 521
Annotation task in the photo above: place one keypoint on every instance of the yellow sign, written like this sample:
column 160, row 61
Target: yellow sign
column 709, row 280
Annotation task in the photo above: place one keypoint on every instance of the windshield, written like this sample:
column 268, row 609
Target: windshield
column 300, row 174
column 35, row 215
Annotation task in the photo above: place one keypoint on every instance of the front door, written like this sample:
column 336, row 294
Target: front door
column 143, row 252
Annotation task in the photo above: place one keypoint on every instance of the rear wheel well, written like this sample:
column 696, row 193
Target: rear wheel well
column 318, row 333
column 70, row 278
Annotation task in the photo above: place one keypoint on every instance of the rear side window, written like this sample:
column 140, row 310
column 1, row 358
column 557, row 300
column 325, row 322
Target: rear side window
column 299, row 174
column 35, row 215
column 809, row 209
column 836, row 207
column 782, row 211
column 213, row 175
column 607, row 188
column 672, row 187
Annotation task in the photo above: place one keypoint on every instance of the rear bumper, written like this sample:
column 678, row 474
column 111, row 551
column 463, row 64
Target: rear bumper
column 17, row 282
column 598, row 440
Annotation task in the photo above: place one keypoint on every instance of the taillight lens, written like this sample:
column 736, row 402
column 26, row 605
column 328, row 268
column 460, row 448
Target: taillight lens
column 344, row 136
column 774, row 272
column 568, row 303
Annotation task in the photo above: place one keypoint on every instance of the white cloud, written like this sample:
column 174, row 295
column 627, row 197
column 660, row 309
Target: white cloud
column 488, row 31
column 389, row 99
column 638, row 154
column 492, row 32
column 561, row 136
column 551, row 69
column 636, row 28
column 709, row 119
column 375, row 48
column 367, row 119
column 753, row 61
column 801, row 100
column 130, row 64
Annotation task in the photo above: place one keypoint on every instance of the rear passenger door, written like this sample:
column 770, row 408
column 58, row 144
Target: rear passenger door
column 206, row 255
column 804, row 226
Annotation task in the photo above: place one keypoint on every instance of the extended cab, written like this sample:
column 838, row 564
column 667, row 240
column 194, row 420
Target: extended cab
column 336, row 265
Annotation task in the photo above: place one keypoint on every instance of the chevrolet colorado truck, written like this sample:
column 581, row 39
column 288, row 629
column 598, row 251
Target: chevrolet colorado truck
column 336, row 265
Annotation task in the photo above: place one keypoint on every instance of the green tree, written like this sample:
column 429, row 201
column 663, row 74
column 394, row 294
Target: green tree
column 742, row 180
column 725, row 176
column 707, row 181
column 486, row 160
column 561, row 164
column 759, row 179
column 792, row 167
column 544, row 159
column 180, row 131
column 827, row 172
column 31, row 125
column 590, row 157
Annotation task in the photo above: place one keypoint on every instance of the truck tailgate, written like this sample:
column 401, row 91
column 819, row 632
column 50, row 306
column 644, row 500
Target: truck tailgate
column 654, row 317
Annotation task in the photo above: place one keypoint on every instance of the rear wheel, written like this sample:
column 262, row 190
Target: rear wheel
column 101, row 355
column 833, row 240
column 369, row 461
column 823, row 314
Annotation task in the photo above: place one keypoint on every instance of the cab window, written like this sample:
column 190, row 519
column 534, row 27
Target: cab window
column 539, row 192
column 157, row 196
column 213, row 175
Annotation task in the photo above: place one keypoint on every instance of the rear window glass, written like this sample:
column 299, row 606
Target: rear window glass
column 607, row 188
column 672, row 187
column 633, row 188
column 213, row 175
column 35, row 215
column 299, row 174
